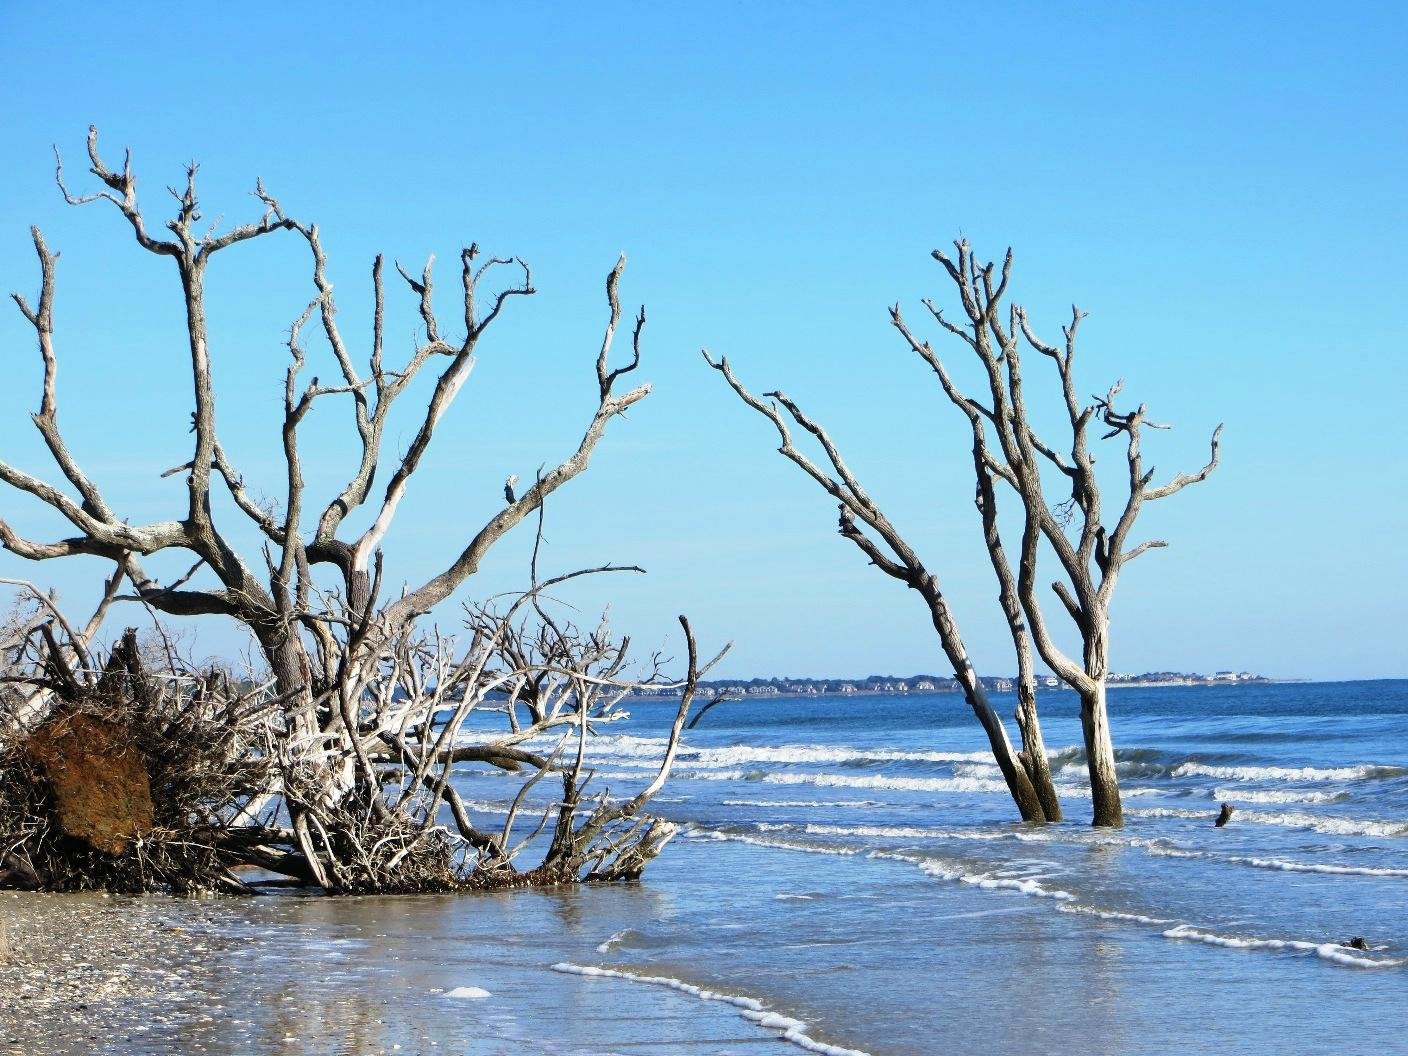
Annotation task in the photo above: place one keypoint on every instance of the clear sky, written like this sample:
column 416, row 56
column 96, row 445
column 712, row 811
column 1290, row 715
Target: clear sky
column 1220, row 185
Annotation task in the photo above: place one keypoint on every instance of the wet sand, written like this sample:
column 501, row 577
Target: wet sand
column 293, row 974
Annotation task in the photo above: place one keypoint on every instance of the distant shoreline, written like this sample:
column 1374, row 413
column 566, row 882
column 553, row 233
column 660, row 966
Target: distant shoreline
column 859, row 692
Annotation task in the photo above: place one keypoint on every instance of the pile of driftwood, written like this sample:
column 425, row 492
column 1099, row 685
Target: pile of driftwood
column 342, row 766
column 132, row 771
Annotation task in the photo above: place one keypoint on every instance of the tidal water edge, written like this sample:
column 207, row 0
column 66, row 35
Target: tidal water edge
column 848, row 877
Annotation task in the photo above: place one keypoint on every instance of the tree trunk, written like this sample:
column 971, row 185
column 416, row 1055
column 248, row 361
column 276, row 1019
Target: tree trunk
column 1019, row 782
column 1033, row 755
column 1100, row 757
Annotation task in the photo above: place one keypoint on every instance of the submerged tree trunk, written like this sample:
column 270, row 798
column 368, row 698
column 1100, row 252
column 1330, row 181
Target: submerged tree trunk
column 1019, row 780
column 1100, row 758
column 1033, row 756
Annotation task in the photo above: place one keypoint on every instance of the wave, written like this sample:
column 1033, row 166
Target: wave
column 1362, row 772
column 1068, row 902
column 1029, row 885
column 793, row 1030
column 1330, row 951
column 629, row 747
column 902, row 832
column 802, row 803
column 615, row 940
column 1279, row 795
column 1278, row 864
column 880, row 781
column 1331, row 825
column 1111, row 914
column 756, row 841
column 907, row 784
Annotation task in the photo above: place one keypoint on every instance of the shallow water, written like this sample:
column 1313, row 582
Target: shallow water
column 850, row 863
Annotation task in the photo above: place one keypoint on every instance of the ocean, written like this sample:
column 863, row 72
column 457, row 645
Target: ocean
column 849, row 877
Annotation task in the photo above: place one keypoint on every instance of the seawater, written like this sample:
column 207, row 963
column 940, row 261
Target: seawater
column 854, row 862
column 849, row 879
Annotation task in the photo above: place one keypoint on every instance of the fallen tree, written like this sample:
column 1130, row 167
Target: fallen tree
column 144, row 776
column 344, row 745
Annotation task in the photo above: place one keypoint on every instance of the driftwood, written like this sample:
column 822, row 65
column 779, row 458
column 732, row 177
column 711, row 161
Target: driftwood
column 176, row 779
column 356, row 710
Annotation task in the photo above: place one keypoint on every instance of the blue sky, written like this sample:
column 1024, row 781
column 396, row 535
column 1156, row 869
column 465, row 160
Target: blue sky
column 1221, row 186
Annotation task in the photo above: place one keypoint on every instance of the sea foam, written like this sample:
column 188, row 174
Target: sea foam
column 987, row 881
column 1278, row 864
column 793, row 1030
column 1288, row 773
column 1279, row 795
column 858, row 803
column 621, row 748
column 756, row 841
column 1111, row 914
column 1332, row 825
column 1328, row 950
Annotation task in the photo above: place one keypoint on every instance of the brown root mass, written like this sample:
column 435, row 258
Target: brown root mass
column 101, row 792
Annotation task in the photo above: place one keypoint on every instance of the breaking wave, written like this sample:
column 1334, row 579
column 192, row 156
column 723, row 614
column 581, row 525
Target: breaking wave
column 1363, row 772
column 1279, row 795
column 652, row 748
column 1330, row 951
column 1028, row 885
column 1278, row 864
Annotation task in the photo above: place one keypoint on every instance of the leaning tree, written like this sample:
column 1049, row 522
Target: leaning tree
column 1007, row 450
column 361, row 778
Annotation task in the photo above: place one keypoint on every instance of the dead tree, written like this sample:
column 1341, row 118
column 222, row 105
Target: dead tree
column 1028, row 772
column 312, row 600
column 1006, row 448
column 1090, row 553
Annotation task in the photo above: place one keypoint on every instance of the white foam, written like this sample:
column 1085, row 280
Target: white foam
column 605, row 947
column 470, row 993
column 1330, row 951
column 1279, row 795
column 1287, row 773
column 1279, row 864
column 1332, row 825
column 879, row 781
column 486, row 808
column 793, row 1030
column 1328, row 824
column 901, row 832
column 628, row 747
column 1111, row 914
column 782, row 845
column 987, row 881
column 802, row 803
column 907, row 784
